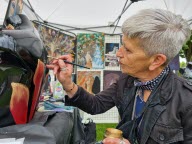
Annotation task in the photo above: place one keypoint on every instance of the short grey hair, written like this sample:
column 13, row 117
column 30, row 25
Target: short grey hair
column 159, row 31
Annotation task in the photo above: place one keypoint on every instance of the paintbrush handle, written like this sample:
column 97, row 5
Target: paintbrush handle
column 69, row 62
column 76, row 64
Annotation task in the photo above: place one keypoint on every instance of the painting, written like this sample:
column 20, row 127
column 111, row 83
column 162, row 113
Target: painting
column 90, row 50
column 110, row 55
column 15, row 7
column 110, row 77
column 89, row 80
column 56, row 42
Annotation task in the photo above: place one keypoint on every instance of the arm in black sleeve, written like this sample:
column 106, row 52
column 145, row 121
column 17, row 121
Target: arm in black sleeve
column 93, row 104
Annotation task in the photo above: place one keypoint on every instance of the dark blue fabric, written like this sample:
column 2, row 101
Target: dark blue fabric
column 139, row 106
column 138, row 113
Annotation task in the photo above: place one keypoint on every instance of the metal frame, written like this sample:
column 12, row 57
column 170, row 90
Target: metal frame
column 89, row 29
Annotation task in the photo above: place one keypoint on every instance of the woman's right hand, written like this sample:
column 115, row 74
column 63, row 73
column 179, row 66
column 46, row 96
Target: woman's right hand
column 62, row 70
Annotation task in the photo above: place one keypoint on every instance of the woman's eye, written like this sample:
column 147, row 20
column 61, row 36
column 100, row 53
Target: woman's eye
column 126, row 49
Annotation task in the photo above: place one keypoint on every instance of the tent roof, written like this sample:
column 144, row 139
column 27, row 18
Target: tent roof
column 83, row 13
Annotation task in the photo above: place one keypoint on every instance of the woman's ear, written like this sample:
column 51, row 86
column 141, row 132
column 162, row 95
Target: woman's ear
column 157, row 61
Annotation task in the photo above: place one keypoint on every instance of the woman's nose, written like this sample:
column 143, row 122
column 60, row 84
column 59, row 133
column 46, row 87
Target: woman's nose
column 119, row 52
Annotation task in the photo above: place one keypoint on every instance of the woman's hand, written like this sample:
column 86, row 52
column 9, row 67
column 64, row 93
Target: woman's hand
column 62, row 70
column 115, row 141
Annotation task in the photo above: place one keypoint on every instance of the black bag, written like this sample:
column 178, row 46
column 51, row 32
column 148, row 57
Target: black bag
column 90, row 131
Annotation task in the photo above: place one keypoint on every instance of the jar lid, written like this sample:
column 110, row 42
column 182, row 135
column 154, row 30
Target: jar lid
column 113, row 133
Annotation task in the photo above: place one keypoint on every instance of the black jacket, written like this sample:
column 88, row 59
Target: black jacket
column 168, row 115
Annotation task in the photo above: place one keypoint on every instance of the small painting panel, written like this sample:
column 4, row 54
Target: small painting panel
column 110, row 55
column 90, row 50
column 89, row 80
column 110, row 77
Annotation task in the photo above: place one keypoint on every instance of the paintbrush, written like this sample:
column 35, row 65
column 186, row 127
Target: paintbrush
column 69, row 62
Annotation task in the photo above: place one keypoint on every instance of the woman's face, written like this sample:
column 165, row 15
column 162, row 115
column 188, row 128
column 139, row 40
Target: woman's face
column 132, row 58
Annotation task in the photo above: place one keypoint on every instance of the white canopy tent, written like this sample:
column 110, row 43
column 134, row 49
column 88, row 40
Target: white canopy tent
column 97, row 15
column 94, row 16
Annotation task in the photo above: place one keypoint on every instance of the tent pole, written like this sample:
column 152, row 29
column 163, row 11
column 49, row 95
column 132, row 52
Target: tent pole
column 121, row 13
column 31, row 8
column 53, row 27
column 85, row 29
column 119, row 17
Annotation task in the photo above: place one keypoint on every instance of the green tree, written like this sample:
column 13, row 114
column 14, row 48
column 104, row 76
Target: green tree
column 186, row 51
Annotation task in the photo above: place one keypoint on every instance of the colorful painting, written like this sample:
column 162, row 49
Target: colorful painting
column 90, row 50
column 89, row 80
column 110, row 55
column 111, row 48
column 56, row 42
column 110, row 77
column 15, row 7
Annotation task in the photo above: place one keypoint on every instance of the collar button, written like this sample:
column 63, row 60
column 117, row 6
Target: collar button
column 161, row 137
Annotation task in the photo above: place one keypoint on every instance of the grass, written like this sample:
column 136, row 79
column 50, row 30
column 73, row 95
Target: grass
column 100, row 129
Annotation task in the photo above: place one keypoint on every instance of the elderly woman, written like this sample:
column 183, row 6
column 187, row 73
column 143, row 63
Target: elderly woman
column 154, row 104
